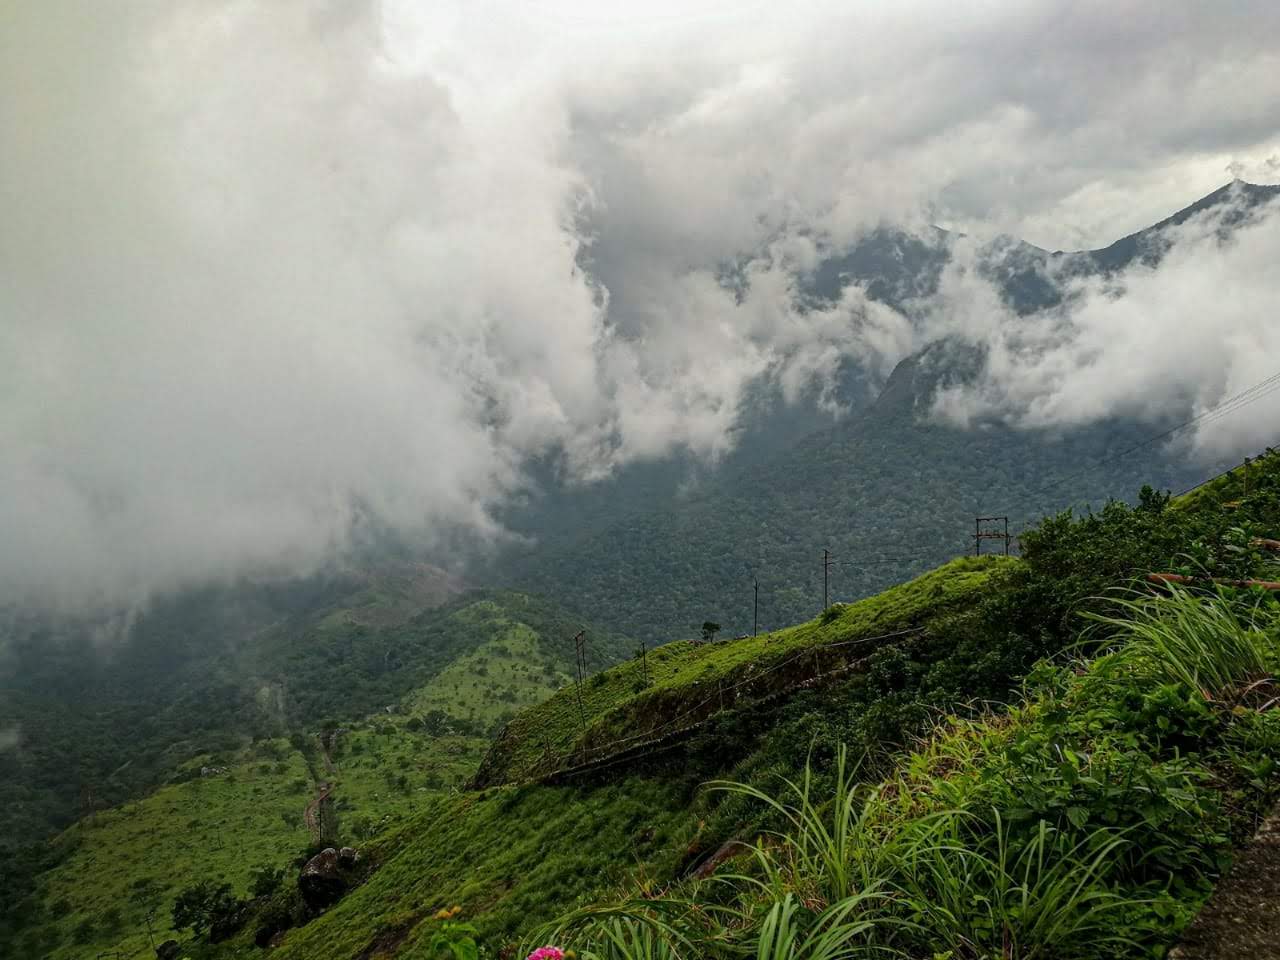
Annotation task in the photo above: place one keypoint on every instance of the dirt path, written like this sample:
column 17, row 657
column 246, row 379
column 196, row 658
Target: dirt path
column 309, row 814
column 1241, row 921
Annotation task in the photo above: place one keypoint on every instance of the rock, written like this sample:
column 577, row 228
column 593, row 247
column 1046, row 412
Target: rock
column 347, row 857
column 321, row 882
column 168, row 950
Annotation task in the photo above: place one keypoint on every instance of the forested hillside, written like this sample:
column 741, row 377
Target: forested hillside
column 887, row 481
column 888, row 493
column 102, row 717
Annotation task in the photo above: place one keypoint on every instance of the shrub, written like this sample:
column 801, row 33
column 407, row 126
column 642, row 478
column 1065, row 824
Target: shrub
column 203, row 906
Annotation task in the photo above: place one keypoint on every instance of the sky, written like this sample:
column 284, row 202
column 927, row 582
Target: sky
column 275, row 275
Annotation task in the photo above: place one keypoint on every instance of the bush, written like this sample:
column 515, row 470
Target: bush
column 204, row 906
column 265, row 880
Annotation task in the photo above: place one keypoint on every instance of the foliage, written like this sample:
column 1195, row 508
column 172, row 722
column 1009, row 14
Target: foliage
column 682, row 675
column 1089, row 822
column 264, row 881
column 457, row 939
column 203, row 905
column 1121, row 751
column 888, row 482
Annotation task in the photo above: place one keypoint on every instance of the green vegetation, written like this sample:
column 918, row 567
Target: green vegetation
column 1232, row 486
column 120, row 866
column 1090, row 821
column 882, row 483
column 1100, row 809
column 689, row 681
column 248, row 816
column 517, row 856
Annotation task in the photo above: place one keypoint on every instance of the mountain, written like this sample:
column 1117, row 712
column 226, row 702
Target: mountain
column 885, row 482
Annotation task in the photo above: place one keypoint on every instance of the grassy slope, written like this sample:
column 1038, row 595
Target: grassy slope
column 222, row 827
column 510, row 671
column 135, row 858
column 1121, row 750
column 520, row 854
column 1229, row 487
column 510, row 856
column 516, row 855
column 616, row 703
column 138, row 856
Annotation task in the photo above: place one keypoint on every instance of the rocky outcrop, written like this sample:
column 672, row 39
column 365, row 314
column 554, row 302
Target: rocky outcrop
column 321, row 881
column 328, row 875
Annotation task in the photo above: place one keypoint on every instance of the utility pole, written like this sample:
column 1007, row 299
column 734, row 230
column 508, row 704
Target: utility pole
column 580, row 665
column 148, row 917
column 755, row 617
column 979, row 534
column 826, row 576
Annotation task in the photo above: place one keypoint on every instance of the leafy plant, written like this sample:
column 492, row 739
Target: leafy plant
column 202, row 906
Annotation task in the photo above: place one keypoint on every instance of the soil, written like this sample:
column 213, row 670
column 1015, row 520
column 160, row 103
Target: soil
column 1241, row 921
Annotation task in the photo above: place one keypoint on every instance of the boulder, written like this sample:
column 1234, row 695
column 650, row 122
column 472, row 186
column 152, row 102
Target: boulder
column 347, row 857
column 321, row 882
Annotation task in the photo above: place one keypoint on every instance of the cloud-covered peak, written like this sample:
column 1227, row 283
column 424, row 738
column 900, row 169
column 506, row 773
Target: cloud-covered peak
column 273, row 276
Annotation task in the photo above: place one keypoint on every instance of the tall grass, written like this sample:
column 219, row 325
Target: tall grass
column 1019, row 897
column 1222, row 649
column 830, row 848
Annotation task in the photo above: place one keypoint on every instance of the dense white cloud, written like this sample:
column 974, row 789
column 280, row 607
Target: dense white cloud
column 1152, row 343
column 273, row 272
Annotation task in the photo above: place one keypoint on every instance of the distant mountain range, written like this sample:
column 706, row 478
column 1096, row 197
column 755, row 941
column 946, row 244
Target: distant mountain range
column 661, row 547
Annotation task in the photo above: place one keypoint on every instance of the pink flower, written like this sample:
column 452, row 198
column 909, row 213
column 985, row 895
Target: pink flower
column 546, row 953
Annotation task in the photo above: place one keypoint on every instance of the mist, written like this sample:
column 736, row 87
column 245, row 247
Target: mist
column 1180, row 340
column 274, row 277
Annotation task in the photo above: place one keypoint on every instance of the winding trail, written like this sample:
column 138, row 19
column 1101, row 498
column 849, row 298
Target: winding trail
column 323, row 789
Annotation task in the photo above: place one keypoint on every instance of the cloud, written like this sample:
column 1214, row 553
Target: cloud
column 273, row 276
column 1153, row 343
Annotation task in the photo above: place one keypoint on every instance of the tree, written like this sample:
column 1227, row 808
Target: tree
column 265, row 880
column 202, row 905
column 709, row 630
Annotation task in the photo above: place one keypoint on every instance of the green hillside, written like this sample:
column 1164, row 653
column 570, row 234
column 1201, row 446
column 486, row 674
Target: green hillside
column 122, row 864
column 681, row 683
column 608, row 802
column 520, row 855
column 483, row 656
column 201, row 671
column 890, row 492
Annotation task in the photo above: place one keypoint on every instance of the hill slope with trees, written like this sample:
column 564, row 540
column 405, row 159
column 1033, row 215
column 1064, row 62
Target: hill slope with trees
column 1129, row 775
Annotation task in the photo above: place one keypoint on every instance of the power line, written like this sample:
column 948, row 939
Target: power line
column 1229, row 470
column 1233, row 403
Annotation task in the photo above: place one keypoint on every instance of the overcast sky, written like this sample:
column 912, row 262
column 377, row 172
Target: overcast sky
column 269, row 270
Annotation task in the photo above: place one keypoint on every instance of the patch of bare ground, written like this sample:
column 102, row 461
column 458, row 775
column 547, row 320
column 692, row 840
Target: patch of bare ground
column 1241, row 921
